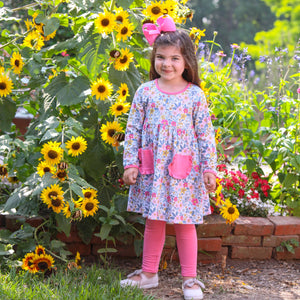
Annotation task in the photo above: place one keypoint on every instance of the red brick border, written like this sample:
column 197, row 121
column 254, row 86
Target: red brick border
column 248, row 238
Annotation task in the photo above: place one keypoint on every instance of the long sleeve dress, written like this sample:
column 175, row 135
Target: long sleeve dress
column 170, row 138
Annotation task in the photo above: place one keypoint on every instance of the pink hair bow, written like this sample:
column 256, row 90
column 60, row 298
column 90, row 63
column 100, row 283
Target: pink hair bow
column 151, row 31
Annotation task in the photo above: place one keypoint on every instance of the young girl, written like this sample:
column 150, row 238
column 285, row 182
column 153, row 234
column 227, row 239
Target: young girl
column 170, row 155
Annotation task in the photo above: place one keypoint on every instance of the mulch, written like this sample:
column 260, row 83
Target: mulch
column 232, row 279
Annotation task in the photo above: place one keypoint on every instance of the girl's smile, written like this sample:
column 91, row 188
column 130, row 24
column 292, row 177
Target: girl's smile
column 169, row 64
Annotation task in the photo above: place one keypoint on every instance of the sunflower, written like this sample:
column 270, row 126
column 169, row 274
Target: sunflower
column 119, row 108
column 34, row 40
column 16, row 62
column 101, row 88
column 89, row 193
column 229, row 211
column 108, row 131
column 61, row 174
column 121, row 16
column 122, row 62
column 53, row 197
column 170, row 7
column 39, row 250
column 43, row 262
column 105, row 22
column 124, row 31
column 28, row 264
column 78, row 260
column 44, row 167
column 89, row 207
column 3, row 171
column 52, row 152
column 123, row 91
column 76, row 145
column 6, row 85
column 13, row 179
column 196, row 34
column 154, row 10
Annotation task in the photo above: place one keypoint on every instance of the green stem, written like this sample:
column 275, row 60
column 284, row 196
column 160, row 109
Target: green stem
column 212, row 45
column 25, row 7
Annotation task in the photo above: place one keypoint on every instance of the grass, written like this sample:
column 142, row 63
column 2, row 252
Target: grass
column 64, row 284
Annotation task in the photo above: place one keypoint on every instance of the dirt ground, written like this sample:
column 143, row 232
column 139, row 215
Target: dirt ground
column 234, row 279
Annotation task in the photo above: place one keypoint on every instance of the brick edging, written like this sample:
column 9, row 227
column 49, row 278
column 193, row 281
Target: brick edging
column 247, row 238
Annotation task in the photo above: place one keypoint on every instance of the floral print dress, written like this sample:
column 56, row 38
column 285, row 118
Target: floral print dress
column 170, row 138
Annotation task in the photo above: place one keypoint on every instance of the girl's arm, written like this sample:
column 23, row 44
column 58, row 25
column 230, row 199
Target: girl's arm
column 133, row 135
column 205, row 137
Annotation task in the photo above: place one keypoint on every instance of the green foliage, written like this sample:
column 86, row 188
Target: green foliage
column 284, row 32
column 288, row 245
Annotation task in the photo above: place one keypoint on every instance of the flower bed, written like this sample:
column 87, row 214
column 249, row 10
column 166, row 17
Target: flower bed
column 247, row 238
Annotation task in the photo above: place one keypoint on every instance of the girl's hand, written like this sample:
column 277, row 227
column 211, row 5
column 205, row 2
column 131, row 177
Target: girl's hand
column 130, row 175
column 210, row 182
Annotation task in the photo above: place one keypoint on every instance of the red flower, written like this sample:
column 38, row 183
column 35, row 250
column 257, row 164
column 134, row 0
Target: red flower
column 265, row 188
column 241, row 193
column 255, row 175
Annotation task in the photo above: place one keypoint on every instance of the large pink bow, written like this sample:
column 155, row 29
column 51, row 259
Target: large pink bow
column 151, row 31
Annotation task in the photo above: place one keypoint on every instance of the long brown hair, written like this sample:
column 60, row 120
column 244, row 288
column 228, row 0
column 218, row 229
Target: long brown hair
column 182, row 40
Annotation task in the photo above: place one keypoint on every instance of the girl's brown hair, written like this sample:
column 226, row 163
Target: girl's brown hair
column 182, row 40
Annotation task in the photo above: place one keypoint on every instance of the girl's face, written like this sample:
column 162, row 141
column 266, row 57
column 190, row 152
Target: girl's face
column 169, row 63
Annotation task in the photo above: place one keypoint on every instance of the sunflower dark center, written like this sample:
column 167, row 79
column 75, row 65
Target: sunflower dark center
column 40, row 251
column 120, row 107
column 114, row 53
column 61, row 174
column 43, row 266
column 111, row 132
column 3, row 171
column 17, row 63
column 2, row 85
column 46, row 169
column 101, row 88
column 89, row 206
column 52, row 154
column 192, row 35
column 30, row 263
column 87, row 194
column 124, row 30
column 76, row 146
column 123, row 93
column 52, row 194
column 231, row 210
column 156, row 10
column 124, row 59
column 56, row 202
column 105, row 22
column 119, row 19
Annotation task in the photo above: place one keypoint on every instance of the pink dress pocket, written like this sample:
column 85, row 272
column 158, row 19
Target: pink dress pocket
column 146, row 161
column 181, row 166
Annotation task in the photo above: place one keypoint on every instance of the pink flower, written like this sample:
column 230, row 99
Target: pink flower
column 298, row 90
column 152, row 104
column 146, row 88
column 195, row 201
column 64, row 54
column 186, row 110
column 165, row 122
column 173, row 123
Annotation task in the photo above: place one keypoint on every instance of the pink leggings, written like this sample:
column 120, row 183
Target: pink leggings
column 154, row 239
